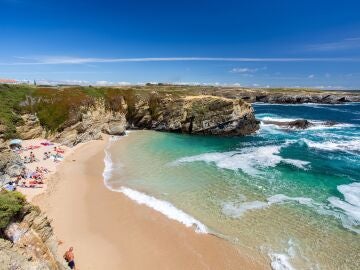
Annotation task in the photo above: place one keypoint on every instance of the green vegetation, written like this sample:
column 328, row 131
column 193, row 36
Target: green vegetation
column 55, row 107
column 10, row 205
column 10, row 98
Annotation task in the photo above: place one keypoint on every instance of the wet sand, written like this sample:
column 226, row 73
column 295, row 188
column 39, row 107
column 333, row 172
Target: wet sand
column 109, row 231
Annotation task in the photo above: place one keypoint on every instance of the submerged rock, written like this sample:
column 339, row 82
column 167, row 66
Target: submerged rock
column 299, row 124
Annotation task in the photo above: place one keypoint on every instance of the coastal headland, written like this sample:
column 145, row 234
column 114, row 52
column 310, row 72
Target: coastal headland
column 107, row 229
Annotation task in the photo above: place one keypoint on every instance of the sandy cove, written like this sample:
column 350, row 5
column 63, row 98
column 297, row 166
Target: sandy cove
column 109, row 231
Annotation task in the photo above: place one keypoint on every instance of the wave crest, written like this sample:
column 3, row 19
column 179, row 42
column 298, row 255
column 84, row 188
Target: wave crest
column 250, row 160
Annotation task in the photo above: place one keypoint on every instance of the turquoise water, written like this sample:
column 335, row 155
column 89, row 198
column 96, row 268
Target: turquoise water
column 289, row 196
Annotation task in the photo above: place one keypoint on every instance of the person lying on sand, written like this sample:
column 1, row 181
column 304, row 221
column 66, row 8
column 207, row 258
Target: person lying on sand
column 23, row 173
column 59, row 150
column 46, row 156
column 26, row 159
column 69, row 258
column 32, row 157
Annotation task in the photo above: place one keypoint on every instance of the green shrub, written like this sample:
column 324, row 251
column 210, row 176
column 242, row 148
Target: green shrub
column 10, row 98
column 10, row 205
column 54, row 107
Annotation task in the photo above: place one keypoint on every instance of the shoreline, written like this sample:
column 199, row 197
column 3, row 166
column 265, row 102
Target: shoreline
column 110, row 231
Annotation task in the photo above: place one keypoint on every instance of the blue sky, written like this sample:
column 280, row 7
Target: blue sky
column 252, row 43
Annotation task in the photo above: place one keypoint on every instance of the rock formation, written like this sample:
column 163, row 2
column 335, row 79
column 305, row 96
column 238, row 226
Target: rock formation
column 29, row 243
column 10, row 166
column 298, row 124
column 205, row 115
column 90, row 124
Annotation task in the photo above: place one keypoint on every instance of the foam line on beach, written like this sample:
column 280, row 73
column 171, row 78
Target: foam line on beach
column 161, row 206
column 281, row 261
column 164, row 207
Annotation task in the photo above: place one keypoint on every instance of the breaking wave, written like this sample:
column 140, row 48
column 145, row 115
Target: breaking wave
column 351, row 203
column 250, row 160
column 165, row 208
column 347, row 146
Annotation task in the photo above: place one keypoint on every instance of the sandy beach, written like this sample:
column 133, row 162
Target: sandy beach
column 109, row 231
column 38, row 150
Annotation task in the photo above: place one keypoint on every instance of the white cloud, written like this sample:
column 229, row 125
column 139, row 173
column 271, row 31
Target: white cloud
column 109, row 83
column 123, row 83
column 329, row 87
column 244, row 70
column 59, row 60
column 345, row 44
column 311, row 76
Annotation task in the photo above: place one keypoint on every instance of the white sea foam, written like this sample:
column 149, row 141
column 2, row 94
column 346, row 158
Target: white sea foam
column 351, row 203
column 317, row 124
column 347, row 146
column 320, row 125
column 166, row 208
column 250, row 160
column 238, row 210
column 277, row 119
column 109, row 166
column 108, row 169
column 280, row 261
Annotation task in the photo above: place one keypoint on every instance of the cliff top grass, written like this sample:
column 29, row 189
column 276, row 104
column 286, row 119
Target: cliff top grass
column 10, row 98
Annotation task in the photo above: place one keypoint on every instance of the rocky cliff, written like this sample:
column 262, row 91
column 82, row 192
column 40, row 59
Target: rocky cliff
column 29, row 243
column 206, row 115
column 287, row 96
column 201, row 114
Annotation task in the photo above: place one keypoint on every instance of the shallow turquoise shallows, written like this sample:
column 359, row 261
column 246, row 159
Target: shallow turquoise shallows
column 290, row 196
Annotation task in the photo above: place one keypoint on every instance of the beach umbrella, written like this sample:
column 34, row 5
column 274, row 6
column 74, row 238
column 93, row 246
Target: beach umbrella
column 15, row 141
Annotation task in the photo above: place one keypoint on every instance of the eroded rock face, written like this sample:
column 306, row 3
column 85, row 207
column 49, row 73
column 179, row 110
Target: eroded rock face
column 31, row 127
column 92, row 123
column 10, row 166
column 207, row 115
column 204, row 114
column 30, row 243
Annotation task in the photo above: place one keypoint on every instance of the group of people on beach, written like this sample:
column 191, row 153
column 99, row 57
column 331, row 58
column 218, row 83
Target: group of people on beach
column 34, row 179
column 30, row 159
column 31, row 179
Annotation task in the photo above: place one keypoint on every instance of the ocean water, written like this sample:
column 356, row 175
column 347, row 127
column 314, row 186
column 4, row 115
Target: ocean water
column 291, row 197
